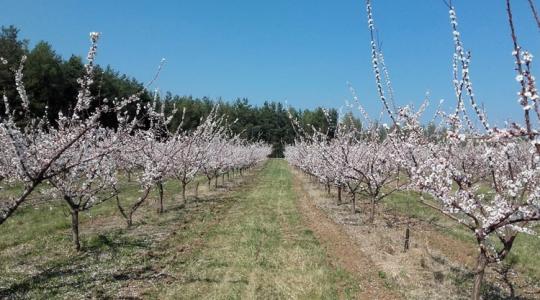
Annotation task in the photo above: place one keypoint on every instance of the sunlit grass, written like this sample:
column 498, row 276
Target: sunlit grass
column 248, row 243
column 261, row 250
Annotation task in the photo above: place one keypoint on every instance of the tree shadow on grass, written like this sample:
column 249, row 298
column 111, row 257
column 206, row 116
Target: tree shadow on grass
column 99, row 264
column 58, row 270
column 113, row 242
column 490, row 290
column 73, row 273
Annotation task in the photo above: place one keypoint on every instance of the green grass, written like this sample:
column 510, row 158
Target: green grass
column 36, row 256
column 260, row 249
column 405, row 203
column 526, row 255
column 248, row 243
column 40, row 223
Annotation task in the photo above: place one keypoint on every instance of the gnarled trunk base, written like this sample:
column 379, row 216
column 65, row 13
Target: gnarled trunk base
column 75, row 229
column 479, row 271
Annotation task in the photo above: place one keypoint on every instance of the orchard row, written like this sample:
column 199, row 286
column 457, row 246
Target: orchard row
column 78, row 160
column 486, row 178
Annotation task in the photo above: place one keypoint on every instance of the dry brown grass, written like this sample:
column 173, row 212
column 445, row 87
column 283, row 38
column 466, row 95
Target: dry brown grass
column 437, row 265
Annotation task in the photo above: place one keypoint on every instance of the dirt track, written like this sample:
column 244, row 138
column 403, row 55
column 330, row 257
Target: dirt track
column 342, row 250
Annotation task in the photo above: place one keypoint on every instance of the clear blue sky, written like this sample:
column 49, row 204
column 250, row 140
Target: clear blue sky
column 301, row 51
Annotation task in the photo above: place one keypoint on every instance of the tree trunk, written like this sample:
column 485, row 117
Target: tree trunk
column 129, row 176
column 339, row 195
column 353, row 203
column 160, row 200
column 228, row 176
column 122, row 211
column 407, row 231
column 129, row 219
column 372, row 212
column 184, row 200
column 75, row 228
column 481, row 264
column 129, row 215
column 407, row 239
column 196, row 189
column 223, row 179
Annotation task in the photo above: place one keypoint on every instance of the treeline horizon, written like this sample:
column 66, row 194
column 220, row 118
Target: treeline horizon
column 52, row 86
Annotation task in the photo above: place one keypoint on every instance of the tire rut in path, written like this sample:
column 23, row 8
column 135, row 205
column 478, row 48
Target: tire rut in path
column 341, row 249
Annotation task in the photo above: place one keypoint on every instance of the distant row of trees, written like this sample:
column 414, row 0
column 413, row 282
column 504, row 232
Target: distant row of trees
column 51, row 84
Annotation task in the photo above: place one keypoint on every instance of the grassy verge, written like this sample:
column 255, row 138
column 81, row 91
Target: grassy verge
column 37, row 260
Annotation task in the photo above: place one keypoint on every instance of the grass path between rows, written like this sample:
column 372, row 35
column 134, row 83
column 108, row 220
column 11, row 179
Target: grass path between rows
column 254, row 237
column 258, row 249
